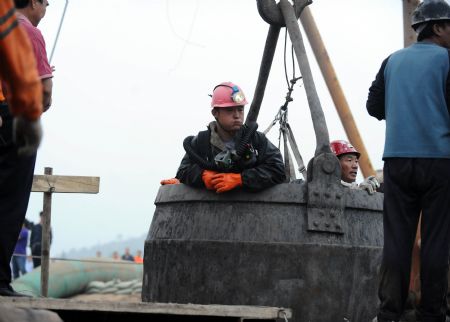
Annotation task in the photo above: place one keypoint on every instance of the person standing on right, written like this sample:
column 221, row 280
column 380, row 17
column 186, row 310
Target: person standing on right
column 36, row 240
column 412, row 93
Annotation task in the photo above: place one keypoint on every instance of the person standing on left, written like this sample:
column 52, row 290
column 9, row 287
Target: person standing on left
column 20, row 254
column 30, row 14
column 26, row 90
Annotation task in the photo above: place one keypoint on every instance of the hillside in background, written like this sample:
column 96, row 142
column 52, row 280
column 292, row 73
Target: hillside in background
column 106, row 249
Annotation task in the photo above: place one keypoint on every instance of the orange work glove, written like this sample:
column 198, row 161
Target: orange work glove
column 170, row 181
column 206, row 177
column 226, row 181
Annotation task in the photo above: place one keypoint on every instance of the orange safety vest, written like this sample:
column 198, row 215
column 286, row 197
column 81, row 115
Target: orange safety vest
column 18, row 73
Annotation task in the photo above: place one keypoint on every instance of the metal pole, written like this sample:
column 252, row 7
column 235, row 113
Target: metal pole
column 59, row 30
column 335, row 90
column 318, row 118
column 409, row 35
column 264, row 70
column 46, row 222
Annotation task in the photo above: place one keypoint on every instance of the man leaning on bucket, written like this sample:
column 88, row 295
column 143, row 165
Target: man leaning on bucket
column 412, row 93
column 349, row 160
column 229, row 154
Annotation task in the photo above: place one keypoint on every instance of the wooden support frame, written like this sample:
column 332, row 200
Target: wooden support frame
column 49, row 184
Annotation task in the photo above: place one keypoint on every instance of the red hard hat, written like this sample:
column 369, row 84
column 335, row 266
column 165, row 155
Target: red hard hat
column 227, row 94
column 340, row 147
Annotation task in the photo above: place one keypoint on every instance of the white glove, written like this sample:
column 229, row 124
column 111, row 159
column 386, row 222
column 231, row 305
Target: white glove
column 352, row 185
column 27, row 135
column 370, row 184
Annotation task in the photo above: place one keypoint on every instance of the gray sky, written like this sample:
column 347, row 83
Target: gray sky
column 132, row 81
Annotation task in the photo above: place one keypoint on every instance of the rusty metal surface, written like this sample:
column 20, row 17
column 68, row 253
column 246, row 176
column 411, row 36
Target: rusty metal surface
column 285, row 193
column 320, row 283
column 256, row 249
column 326, row 195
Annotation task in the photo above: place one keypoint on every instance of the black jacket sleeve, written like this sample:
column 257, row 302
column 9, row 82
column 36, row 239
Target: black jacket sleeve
column 447, row 87
column 190, row 172
column 376, row 101
column 269, row 169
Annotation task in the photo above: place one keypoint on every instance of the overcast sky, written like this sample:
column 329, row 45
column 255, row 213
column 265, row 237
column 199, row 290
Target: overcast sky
column 132, row 81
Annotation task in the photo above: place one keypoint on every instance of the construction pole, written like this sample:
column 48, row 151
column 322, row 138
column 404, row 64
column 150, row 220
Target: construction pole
column 46, row 224
column 409, row 35
column 335, row 90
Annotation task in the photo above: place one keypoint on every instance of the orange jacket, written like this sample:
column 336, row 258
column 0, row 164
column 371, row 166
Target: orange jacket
column 18, row 71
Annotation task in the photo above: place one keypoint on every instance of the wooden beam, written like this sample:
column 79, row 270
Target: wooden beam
column 409, row 35
column 239, row 311
column 65, row 184
column 45, row 239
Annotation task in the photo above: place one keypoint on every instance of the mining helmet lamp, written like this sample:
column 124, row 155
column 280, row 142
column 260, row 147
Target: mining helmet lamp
column 237, row 95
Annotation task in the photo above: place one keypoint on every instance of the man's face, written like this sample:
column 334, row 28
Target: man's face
column 229, row 118
column 349, row 167
column 40, row 9
column 443, row 32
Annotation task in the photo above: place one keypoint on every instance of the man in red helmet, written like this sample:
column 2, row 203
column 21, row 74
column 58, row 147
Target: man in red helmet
column 349, row 160
column 230, row 154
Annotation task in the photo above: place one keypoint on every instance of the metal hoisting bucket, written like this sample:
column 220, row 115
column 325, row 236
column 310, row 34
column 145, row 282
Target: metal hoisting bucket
column 314, row 247
column 258, row 249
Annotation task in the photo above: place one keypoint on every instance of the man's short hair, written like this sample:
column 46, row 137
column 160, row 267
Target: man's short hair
column 20, row 4
column 428, row 32
column 348, row 153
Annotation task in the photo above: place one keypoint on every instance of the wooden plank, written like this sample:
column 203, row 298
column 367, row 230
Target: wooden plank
column 239, row 311
column 45, row 239
column 65, row 184
column 409, row 35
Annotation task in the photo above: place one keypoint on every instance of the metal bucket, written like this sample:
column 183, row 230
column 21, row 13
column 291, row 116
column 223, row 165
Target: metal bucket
column 260, row 249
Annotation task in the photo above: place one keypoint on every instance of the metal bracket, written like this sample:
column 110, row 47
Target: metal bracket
column 269, row 11
column 326, row 195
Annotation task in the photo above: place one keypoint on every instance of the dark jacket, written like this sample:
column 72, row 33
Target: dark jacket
column 265, row 171
column 36, row 237
column 411, row 92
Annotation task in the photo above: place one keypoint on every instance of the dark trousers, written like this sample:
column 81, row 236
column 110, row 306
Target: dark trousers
column 412, row 185
column 36, row 252
column 16, row 178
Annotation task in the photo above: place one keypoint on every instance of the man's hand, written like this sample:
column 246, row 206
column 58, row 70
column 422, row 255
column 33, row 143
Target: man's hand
column 370, row 184
column 226, row 181
column 27, row 135
column 207, row 176
column 170, row 181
